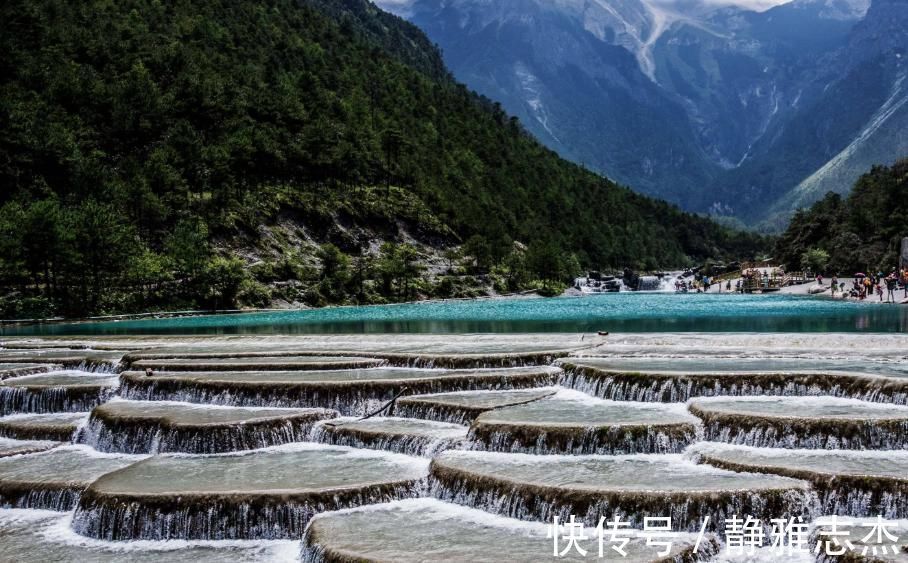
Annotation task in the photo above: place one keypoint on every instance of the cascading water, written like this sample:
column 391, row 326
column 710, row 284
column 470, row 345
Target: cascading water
column 354, row 395
column 407, row 436
column 221, row 497
column 570, row 422
column 59, row 427
column 54, row 479
column 55, row 392
column 847, row 482
column 670, row 388
column 464, row 407
column 348, row 401
column 262, row 494
column 265, row 517
column 611, row 441
column 803, row 422
column 42, row 535
column 426, row 528
column 149, row 436
column 516, row 485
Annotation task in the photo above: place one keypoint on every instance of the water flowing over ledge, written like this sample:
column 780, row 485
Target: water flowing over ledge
column 575, row 423
column 58, row 427
column 522, row 486
column 10, row 447
column 854, row 483
column 561, row 437
column 40, row 535
column 256, row 363
column 464, row 406
column 803, row 422
column 670, row 387
column 139, row 427
column 93, row 361
column 403, row 435
column 352, row 392
column 55, row 479
column 443, row 531
column 261, row 494
column 63, row 391
column 16, row 370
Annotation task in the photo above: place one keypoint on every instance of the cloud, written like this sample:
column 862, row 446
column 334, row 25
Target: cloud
column 754, row 5
column 404, row 7
column 399, row 7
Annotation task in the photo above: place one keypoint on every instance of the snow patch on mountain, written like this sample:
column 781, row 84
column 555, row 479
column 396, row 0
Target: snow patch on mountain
column 402, row 8
column 531, row 87
column 845, row 10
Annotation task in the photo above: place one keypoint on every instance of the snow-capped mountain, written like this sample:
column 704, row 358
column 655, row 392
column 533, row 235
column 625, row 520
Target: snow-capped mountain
column 736, row 107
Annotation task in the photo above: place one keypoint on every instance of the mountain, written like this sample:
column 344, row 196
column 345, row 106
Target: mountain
column 738, row 108
column 217, row 153
column 858, row 119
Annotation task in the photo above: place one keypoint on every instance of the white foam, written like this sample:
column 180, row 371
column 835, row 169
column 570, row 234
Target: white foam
column 56, row 528
column 489, row 392
column 705, row 448
column 762, row 555
column 90, row 375
column 42, row 416
column 456, row 430
column 416, row 464
column 434, row 510
column 675, row 409
column 674, row 460
column 796, row 401
column 204, row 406
column 12, row 443
column 88, row 451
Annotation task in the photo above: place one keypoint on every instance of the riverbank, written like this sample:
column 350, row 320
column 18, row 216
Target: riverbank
column 814, row 289
column 530, row 294
column 822, row 291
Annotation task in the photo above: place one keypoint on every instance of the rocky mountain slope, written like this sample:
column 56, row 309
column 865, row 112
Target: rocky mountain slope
column 714, row 105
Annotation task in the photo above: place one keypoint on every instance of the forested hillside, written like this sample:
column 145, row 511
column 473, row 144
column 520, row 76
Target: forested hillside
column 214, row 153
column 862, row 232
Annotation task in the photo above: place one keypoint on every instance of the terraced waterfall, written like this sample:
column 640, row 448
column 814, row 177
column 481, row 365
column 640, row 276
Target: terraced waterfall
column 455, row 447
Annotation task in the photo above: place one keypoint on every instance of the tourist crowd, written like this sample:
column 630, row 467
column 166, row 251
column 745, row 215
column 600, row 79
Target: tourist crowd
column 884, row 286
column 866, row 285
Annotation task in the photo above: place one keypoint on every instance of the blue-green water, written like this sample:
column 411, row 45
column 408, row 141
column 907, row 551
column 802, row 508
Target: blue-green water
column 617, row 312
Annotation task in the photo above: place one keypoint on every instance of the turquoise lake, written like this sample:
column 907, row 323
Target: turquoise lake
column 617, row 312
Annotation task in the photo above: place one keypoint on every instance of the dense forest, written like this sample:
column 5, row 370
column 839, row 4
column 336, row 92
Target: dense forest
column 861, row 232
column 217, row 153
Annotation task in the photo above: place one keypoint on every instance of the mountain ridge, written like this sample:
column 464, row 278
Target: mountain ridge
column 726, row 110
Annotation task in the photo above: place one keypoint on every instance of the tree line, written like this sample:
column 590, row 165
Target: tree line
column 151, row 152
column 861, row 232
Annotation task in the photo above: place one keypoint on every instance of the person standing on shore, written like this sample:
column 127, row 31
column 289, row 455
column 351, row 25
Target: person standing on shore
column 892, row 283
column 835, row 284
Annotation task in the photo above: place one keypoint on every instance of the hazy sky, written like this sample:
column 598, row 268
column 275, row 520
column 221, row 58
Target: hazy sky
column 758, row 5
